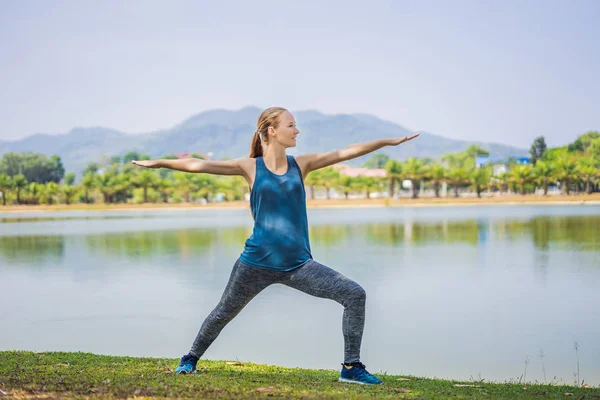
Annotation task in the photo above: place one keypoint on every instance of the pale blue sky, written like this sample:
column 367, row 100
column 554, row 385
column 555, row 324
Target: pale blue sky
column 503, row 71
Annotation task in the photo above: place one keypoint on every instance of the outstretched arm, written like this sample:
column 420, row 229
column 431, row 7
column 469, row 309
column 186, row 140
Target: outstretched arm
column 314, row 161
column 230, row 167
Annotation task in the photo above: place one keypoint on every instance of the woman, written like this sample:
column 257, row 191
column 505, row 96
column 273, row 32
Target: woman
column 278, row 250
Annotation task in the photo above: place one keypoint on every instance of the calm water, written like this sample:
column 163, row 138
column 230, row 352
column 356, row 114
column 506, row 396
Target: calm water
column 454, row 292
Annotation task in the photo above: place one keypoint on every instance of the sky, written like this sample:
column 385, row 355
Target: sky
column 504, row 71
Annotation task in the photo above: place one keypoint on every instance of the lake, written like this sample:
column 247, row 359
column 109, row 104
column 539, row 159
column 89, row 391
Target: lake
column 452, row 292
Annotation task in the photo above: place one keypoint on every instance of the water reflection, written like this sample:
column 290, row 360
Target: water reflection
column 573, row 232
column 329, row 234
column 545, row 232
column 419, row 233
column 150, row 244
column 34, row 249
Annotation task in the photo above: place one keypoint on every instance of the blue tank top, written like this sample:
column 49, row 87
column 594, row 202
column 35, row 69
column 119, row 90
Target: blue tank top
column 279, row 240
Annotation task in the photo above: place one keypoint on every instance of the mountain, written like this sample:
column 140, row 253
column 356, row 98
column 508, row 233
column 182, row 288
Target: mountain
column 226, row 133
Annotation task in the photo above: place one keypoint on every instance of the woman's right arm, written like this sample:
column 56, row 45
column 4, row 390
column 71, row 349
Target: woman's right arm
column 229, row 167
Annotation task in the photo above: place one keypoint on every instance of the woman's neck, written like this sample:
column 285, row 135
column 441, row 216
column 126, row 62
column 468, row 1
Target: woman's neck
column 275, row 158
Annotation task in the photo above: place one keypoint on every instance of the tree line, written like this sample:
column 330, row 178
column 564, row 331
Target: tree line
column 32, row 178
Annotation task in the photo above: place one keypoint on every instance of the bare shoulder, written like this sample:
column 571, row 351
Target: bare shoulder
column 246, row 163
column 303, row 158
column 313, row 161
column 248, row 167
column 304, row 161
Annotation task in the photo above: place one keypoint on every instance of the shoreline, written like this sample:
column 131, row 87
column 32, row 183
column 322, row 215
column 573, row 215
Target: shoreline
column 26, row 374
column 509, row 200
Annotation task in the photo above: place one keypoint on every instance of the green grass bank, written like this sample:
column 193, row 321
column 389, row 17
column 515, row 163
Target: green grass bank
column 80, row 375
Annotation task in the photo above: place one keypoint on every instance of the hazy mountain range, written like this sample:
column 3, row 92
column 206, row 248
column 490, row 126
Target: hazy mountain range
column 227, row 133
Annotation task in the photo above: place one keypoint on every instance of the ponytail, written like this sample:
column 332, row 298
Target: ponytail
column 268, row 118
column 256, row 149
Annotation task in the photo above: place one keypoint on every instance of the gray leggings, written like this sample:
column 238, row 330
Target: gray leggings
column 313, row 278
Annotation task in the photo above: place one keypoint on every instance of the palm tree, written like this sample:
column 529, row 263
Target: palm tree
column 329, row 178
column 437, row 175
column 122, row 186
column 566, row 172
column 480, row 179
column 233, row 187
column 394, row 173
column 415, row 171
column 50, row 190
column 458, row 177
column 313, row 179
column 368, row 184
column 345, row 184
column 185, row 184
column 241, row 187
column 105, row 183
column 19, row 183
column 359, row 185
column 165, row 187
column 502, row 181
column 67, row 189
column 35, row 190
column 522, row 174
column 452, row 160
column 69, row 192
column 207, row 185
column 6, row 184
column 88, row 183
column 543, row 172
column 146, row 179
column 587, row 171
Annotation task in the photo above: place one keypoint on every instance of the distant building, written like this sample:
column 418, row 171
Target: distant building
column 500, row 164
column 353, row 172
column 482, row 160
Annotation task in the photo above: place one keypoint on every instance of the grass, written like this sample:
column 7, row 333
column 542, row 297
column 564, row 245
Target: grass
column 81, row 375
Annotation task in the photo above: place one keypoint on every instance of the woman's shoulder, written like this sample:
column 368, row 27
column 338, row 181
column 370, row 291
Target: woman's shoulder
column 247, row 164
column 292, row 160
column 246, row 161
column 301, row 162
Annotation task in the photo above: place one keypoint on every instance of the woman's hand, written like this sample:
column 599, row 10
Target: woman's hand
column 146, row 163
column 396, row 142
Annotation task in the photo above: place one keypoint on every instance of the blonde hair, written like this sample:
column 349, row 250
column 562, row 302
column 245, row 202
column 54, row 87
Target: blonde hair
column 268, row 118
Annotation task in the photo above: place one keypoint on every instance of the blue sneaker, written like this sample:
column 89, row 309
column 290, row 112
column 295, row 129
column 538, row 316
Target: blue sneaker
column 187, row 365
column 358, row 374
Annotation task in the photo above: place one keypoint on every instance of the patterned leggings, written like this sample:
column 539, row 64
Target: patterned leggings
column 313, row 278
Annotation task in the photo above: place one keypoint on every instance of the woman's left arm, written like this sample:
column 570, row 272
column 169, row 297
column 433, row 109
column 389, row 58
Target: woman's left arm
column 314, row 161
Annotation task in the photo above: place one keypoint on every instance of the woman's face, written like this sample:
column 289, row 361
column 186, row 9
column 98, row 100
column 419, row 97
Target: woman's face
column 286, row 132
